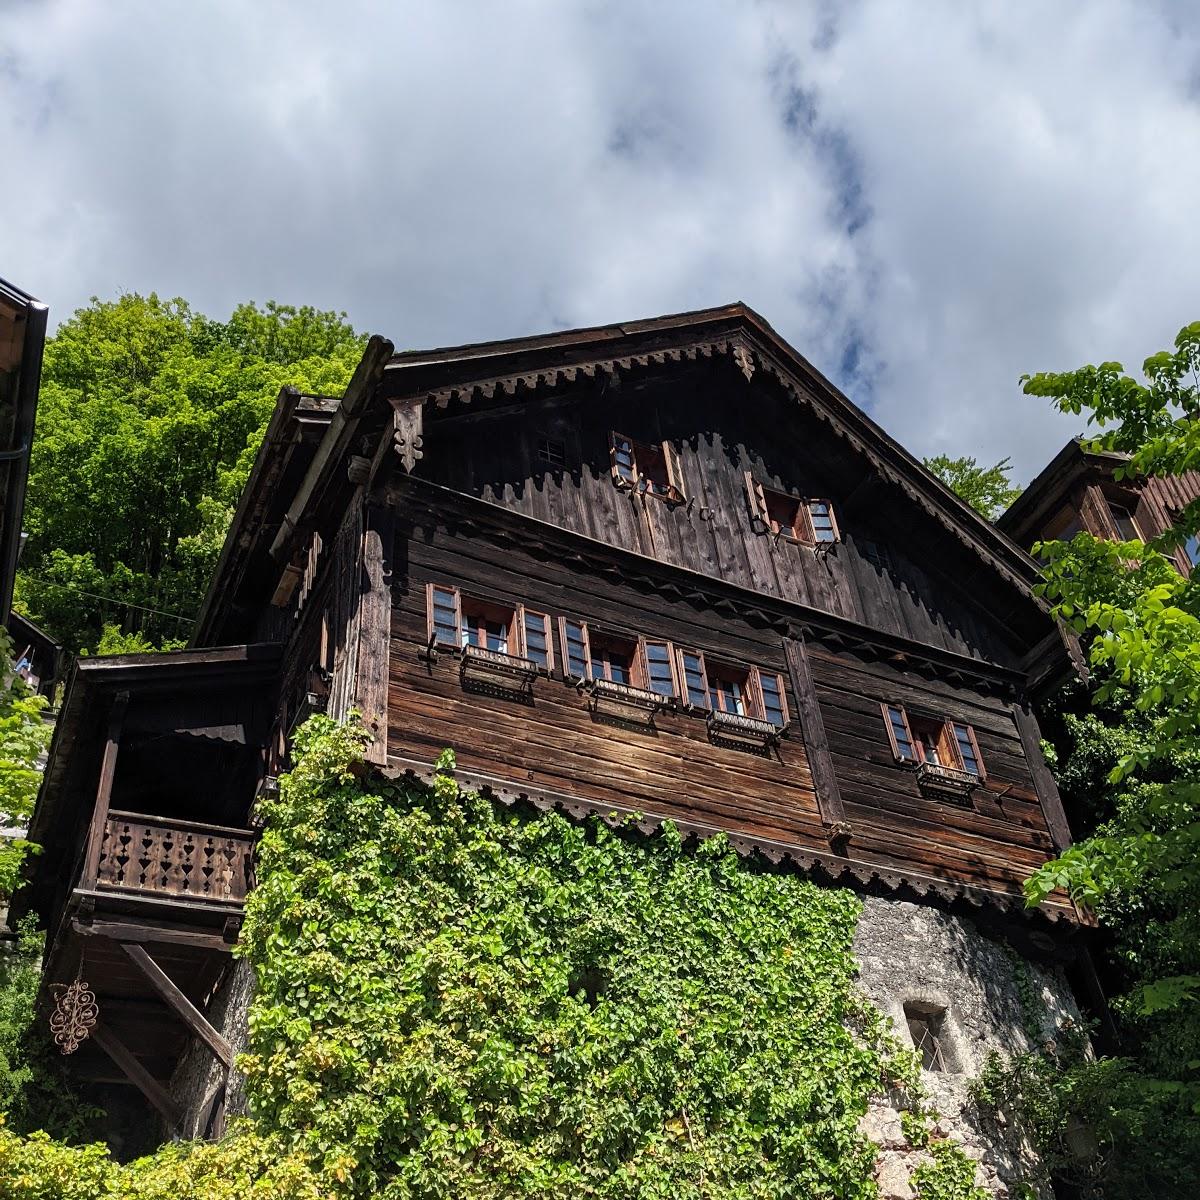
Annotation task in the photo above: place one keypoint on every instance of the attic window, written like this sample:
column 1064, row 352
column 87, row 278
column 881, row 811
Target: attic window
column 799, row 519
column 925, row 1024
column 877, row 555
column 1192, row 549
column 552, row 452
column 649, row 470
column 1124, row 520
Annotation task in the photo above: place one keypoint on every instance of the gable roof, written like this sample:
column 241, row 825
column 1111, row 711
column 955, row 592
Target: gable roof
column 518, row 366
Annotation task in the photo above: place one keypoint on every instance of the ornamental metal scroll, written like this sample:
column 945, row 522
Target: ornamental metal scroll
column 75, row 1012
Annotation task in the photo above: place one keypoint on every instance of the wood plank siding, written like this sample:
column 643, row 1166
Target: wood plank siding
column 552, row 745
column 893, row 569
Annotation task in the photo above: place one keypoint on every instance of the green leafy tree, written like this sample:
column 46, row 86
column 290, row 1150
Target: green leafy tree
column 1135, row 756
column 988, row 490
column 149, row 419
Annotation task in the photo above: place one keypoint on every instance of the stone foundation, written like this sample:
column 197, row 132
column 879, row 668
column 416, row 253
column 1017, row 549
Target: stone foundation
column 917, row 956
column 199, row 1079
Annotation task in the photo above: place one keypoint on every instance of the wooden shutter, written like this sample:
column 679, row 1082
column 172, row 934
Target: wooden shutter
column 430, row 590
column 775, row 683
column 948, row 747
column 828, row 506
column 527, row 618
column 569, row 669
column 757, row 500
column 674, row 471
column 692, row 662
column 618, row 478
column 665, row 657
column 913, row 755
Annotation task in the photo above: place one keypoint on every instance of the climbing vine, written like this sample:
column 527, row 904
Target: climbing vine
column 459, row 1000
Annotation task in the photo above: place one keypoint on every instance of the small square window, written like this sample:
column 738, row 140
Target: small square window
column 1127, row 527
column 922, row 739
column 552, row 452
column 877, row 554
column 799, row 520
column 651, row 470
column 925, row 1025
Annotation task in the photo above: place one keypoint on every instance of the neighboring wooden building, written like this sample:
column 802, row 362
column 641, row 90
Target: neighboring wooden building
column 662, row 568
column 1078, row 491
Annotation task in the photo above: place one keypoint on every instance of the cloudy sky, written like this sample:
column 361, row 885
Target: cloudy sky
column 925, row 198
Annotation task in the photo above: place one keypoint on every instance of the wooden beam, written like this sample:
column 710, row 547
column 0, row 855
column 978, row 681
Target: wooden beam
column 816, row 743
column 122, row 931
column 191, row 1016
column 374, row 630
column 138, row 1075
column 1043, row 780
column 108, row 767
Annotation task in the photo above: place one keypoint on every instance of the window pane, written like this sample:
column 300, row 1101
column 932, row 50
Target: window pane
column 728, row 695
column 1192, row 549
column 576, row 656
column 822, row 521
column 658, row 669
column 900, row 733
column 694, row 683
column 623, row 456
column 772, row 700
column 1125, row 523
column 966, row 749
column 496, row 635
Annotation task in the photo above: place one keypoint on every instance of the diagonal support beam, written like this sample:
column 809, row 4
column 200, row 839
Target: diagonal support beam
column 137, row 1074
column 187, row 1012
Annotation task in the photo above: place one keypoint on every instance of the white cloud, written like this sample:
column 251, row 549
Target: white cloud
column 926, row 199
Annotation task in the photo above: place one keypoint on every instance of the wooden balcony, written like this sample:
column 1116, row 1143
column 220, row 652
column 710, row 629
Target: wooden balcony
column 160, row 857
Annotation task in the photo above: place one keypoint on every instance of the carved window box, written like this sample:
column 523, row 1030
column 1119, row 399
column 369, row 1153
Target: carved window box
column 732, row 728
column 619, row 699
column 492, row 668
column 946, row 782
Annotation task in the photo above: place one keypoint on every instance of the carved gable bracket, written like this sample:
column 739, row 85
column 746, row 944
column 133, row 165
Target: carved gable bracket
column 408, row 434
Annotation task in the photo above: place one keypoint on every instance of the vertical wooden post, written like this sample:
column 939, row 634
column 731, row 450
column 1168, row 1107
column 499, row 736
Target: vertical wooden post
column 820, row 761
column 108, row 767
column 1043, row 781
column 374, row 630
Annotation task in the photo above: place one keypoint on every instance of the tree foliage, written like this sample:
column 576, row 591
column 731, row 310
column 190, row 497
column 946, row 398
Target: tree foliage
column 988, row 490
column 1136, row 757
column 149, row 419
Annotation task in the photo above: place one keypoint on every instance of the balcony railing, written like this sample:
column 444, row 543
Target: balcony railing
column 177, row 860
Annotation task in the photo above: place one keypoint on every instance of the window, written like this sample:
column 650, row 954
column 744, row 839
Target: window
column 552, row 452
column 1192, row 549
column 652, row 470
column 1126, row 525
column 539, row 646
column 456, row 621
column 925, row 1023
column 921, row 739
column 576, row 652
column 658, row 668
column 877, row 554
column 613, row 659
column 792, row 517
column 740, row 691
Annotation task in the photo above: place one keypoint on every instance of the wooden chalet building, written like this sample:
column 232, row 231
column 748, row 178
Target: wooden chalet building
column 1078, row 490
column 662, row 568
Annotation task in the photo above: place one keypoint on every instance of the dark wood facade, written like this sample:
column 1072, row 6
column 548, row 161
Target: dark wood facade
column 704, row 586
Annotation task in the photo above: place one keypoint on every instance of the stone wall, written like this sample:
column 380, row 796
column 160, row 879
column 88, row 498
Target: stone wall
column 199, row 1079
column 933, row 962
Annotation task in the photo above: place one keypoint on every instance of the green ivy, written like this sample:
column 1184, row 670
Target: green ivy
column 458, row 1000
column 947, row 1175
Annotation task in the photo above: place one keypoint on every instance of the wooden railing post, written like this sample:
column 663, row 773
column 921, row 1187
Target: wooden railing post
column 108, row 767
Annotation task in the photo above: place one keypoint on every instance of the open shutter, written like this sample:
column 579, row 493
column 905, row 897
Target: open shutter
column 674, row 471
column 757, row 500
column 895, row 720
column 658, row 668
column 947, row 747
column 622, row 462
column 444, row 606
column 576, row 647
column 772, row 701
column 536, row 642
column 822, row 524
column 693, row 679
